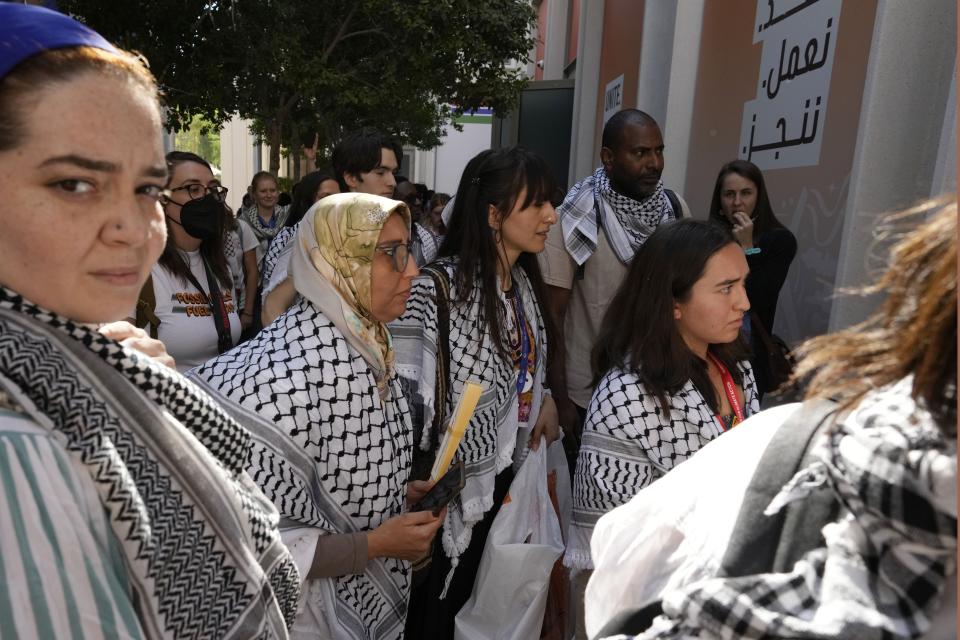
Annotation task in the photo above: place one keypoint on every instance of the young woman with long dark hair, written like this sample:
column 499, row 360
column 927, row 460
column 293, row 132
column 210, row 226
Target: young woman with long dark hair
column 671, row 370
column 497, row 335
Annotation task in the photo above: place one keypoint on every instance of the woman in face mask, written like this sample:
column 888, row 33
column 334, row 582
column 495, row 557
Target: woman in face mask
column 188, row 300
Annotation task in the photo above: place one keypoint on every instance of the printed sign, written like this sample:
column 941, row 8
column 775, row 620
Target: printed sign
column 783, row 126
column 612, row 97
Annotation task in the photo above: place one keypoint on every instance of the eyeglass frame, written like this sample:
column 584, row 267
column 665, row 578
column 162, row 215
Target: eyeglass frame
column 219, row 191
column 391, row 250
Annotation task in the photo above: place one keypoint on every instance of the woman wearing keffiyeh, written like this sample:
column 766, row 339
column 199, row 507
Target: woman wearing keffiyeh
column 332, row 437
column 882, row 563
column 497, row 336
column 125, row 509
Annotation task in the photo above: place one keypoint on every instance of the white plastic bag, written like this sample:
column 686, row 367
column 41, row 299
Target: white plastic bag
column 510, row 592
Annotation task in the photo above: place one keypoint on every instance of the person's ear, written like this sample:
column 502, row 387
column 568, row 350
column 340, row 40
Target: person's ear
column 677, row 314
column 493, row 217
column 606, row 157
column 351, row 180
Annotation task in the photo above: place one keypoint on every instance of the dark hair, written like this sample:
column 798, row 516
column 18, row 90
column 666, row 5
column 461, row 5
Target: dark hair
column 639, row 331
column 495, row 177
column 359, row 152
column 304, row 194
column 211, row 249
column 913, row 333
column 61, row 65
column 763, row 218
column 618, row 122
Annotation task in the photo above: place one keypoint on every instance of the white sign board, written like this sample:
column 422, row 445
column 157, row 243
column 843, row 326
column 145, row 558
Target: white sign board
column 783, row 126
column 612, row 97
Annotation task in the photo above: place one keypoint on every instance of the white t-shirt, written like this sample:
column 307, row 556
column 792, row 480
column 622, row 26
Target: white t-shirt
column 186, row 322
column 236, row 243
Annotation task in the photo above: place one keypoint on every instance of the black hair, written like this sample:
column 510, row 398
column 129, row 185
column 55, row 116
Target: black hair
column 618, row 122
column 639, row 331
column 304, row 194
column 211, row 248
column 495, row 177
column 359, row 152
column 763, row 217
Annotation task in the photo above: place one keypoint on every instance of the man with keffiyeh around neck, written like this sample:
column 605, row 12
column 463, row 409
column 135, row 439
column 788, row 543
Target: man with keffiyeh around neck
column 604, row 219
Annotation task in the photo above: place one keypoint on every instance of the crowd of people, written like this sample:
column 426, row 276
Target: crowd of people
column 245, row 455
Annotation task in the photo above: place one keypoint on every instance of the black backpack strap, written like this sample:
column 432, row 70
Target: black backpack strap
column 674, row 203
column 763, row 544
column 147, row 309
column 631, row 622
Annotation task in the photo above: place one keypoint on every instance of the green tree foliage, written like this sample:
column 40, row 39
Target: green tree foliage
column 325, row 66
column 200, row 138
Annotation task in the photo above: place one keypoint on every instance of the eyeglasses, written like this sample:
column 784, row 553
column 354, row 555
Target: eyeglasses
column 196, row 191
column 400, row 254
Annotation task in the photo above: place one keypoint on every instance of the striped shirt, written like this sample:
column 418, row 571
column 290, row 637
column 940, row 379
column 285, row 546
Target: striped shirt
column 62, row 571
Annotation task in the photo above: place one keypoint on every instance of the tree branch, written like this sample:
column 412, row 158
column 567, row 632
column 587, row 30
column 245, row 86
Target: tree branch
column 340, row 33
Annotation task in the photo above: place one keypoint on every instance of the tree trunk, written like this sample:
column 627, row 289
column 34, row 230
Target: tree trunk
column 273, row 139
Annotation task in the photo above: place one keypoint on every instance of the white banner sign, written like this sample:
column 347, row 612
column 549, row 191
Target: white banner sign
column 612, row 97
column 783, row 127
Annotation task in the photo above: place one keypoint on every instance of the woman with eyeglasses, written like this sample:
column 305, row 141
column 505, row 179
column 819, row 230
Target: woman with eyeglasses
column 188, row 301
column 333, row 441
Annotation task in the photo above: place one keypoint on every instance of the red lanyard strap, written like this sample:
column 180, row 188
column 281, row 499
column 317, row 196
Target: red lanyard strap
column 729, row 387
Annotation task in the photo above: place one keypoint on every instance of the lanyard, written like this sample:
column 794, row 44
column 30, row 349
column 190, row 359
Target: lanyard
column 730, row 388
column 524, row 341
column 221, row 320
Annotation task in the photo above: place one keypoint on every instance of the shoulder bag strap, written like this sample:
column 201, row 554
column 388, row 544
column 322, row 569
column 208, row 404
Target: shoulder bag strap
column 757, row 540
column 674, row 203
column 147, row 308
column 442, row 286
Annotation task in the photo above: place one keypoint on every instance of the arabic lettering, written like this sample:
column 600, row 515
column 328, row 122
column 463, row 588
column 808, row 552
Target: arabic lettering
column 793, row 68
column 772, row 20
column 805, row 137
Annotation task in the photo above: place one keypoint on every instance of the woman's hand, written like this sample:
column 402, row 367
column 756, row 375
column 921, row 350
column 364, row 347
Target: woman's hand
column 138, row 340
column 416, row 489
column 548, row 423
column 743, row 229
column 406, row 536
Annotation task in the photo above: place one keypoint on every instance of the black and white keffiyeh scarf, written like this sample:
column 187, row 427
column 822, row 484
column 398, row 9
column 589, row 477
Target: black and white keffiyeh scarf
column 269, row 263
column 328, row 452
column 202, row 551
column 265, row 233
column 627, row 223
column 491, row 442
column 628, row 443
column 882, row 570
column 426, row 245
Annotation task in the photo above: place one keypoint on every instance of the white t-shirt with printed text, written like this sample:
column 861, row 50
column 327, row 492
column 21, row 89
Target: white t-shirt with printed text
column 186, row 327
